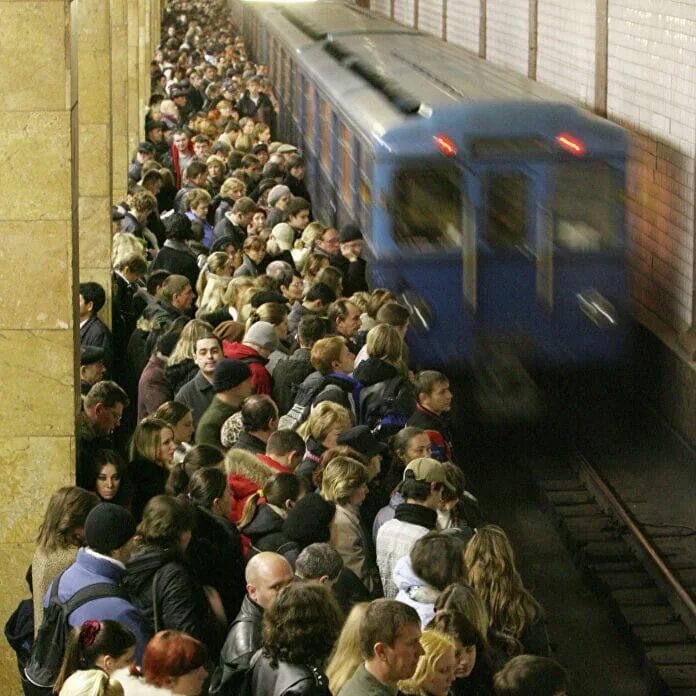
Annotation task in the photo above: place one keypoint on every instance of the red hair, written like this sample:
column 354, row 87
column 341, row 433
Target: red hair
column 171, row 654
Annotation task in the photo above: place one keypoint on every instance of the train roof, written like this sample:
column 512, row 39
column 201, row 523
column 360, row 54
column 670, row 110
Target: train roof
column 379, row 78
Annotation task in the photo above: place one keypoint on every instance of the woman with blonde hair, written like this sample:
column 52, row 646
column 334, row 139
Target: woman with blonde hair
column 151, row 455
column 303, row 245
column 344, row 482
column 216, row 174
column 60, row 536
column 233, row 296
column 180, row 419
column 244, row 142
column 313, row 265
column 325, row 423
column 124, row 245
column 91, row 682
column 181, row 365
column 436, row 668
column 346, row 654
column 492, row 573
column 218, row 266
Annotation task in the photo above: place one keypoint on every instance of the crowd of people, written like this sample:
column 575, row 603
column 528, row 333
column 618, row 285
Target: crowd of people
column 267, row 501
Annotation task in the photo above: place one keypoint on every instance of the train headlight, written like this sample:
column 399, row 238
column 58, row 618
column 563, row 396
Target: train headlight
column 421, row 315
column 597, row 308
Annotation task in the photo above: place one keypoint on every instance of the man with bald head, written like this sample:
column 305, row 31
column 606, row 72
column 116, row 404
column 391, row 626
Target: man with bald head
column 266, row 574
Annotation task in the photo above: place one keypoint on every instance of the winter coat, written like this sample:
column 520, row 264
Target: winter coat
column 224, row 227
column 181, row 601
column 312, row 458
column 137, row 686
column 265, row 533
column 154, row 388
column 387, row 512
column 215, row 554
column 90, row 569
column 94, row 332
column 287, row 377
column 209, row 427
column 287, row 679
column 438, row 430
column 354, row 273
column 148, row 480
column 297, row 187
column 176, row 257
column 250, row 443
column 244, row 636
column 182, row 372
column 245, row 478
column 196, row 394
column 259, row 374
column 350, row 540
column 251, row 269
column 414, row 591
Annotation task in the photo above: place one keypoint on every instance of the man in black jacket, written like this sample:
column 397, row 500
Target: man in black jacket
column 93, row 331
column 266, row 574
column 349, row 261
column 260, row 421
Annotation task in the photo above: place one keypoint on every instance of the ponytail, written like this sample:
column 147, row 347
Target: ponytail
column 249, row 509
column 254, row 316
column 177, row 481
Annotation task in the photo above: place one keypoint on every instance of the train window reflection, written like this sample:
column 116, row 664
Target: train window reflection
column 427, row 207
column 584, row 206
column 507, row 207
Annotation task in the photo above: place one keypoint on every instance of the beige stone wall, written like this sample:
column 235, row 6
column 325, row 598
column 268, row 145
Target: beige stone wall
column 38, row 276
column 76, row 134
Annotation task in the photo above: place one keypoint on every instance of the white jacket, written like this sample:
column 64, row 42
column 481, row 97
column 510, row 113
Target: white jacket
column 136, row 686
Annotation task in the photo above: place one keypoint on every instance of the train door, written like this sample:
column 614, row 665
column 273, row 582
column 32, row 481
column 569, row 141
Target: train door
column 428, row 212
column 507, row 265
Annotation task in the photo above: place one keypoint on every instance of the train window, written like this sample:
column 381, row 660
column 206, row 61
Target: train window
column 308, row 125
column 427, row 207
column 287, row 67
column 345, row 144
column 507, row 207
column 585, row 205
column 325, row 134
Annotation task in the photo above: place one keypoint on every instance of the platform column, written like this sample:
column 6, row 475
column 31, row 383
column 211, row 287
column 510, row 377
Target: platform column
column 119, row 98
column 38, row 280
column 95, row 141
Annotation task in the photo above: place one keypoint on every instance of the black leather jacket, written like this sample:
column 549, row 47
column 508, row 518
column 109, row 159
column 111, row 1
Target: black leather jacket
column 287, row 679
column 244, row 637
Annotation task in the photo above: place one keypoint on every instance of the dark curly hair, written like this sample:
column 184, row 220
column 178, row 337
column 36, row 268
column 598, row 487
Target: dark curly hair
column 302, row 625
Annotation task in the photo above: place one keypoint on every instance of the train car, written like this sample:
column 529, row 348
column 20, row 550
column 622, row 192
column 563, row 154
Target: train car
column 491, row 204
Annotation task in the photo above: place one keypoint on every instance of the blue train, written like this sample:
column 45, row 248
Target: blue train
column 491, row 204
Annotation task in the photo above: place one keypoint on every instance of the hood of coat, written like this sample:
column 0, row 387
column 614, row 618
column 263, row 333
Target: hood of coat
column 240, row 351
column 266, row 521
column 407, row 581
column 373, row 370
column 141, row 569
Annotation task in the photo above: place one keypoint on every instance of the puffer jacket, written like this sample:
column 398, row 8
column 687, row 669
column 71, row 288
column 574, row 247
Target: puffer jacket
column 287, row 679
column 245, row 477
column 181, row 600
column 414, row 591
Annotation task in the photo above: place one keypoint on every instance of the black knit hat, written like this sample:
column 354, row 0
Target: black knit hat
column 108, row 527
column 309, row 519
column 229, row 374
column 350, row 233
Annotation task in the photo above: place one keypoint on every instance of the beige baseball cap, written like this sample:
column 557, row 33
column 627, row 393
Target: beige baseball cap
column 430, row 470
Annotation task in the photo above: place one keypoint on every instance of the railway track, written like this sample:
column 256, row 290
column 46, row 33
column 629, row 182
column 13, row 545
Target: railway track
column 646, row 573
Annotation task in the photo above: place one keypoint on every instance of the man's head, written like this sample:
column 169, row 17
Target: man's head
column 92, row 299
column 295, row 165
column 104, row 406
column 242, row 211
column 177, row 290
column 530, row 675
column 310, row 329
column 259, row 414
column 208, row 354
column 92, row 368
column 181, row 141
column 266, row 575
column 351, row 239
column 331, row 354
column 423, row 482
column 344, row 318
column 395, row 315
column 320, row 563
column 232, row 378
column 286, row 447
column 297, row 211
column 279, row 197
column 108, row 529
column 318, row 298
column 329, row 241
column 201, row 146
column 433, row 391
column 196, row 173
column 263, row 337
column 390, row 640
column 155, row 282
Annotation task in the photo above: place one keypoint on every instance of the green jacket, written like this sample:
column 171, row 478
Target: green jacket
column 211, row 422
column 362, row 683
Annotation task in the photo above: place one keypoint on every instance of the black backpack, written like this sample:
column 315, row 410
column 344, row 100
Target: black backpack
column 386, row 406
column 308, row 393
column 49, row 646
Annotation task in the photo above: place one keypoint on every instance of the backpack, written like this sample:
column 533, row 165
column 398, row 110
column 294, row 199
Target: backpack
column 307, row 393
column 385, row 407
column 49, row 646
